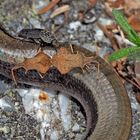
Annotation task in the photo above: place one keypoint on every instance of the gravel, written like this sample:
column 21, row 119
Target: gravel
column 16, row 15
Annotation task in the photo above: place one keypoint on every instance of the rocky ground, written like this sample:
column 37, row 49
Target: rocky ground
column 76, row 25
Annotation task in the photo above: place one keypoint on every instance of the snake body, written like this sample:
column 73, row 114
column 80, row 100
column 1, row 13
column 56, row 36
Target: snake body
column 105, row 100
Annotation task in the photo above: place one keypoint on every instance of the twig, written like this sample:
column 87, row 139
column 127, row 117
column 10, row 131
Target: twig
column 133, row 83
column 60, row 10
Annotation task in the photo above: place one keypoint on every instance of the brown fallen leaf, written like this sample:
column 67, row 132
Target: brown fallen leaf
column 65, row 60
column 134, row 22
column 117, row 3
column 120, row 66
column 41, row 63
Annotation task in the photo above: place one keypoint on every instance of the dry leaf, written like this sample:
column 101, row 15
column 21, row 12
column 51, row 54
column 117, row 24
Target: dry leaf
column 48, row 7
column 41, row 63
column 60, row 10
column 134, row 22
column 65, row 61
column 117, row 3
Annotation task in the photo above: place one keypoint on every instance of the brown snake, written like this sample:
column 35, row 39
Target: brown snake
column 105, row 100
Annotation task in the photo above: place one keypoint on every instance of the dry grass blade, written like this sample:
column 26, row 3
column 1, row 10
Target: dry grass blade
column 48, row 7
column 60, row 10
column 133, row 83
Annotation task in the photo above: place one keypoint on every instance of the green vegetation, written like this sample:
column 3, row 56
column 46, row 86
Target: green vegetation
column 130, row 52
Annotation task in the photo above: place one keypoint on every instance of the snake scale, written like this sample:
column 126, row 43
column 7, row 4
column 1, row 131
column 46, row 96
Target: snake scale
column 105, row 101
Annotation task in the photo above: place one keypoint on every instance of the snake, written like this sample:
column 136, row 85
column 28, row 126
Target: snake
column 104, row 100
